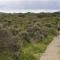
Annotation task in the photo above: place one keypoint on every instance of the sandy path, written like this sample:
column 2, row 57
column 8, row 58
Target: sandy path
column 53, row 50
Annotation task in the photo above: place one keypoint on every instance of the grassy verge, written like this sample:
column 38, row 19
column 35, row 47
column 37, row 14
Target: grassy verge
column 34, row 51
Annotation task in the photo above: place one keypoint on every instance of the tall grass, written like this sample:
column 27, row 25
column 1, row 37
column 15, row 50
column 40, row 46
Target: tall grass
column 34, row 51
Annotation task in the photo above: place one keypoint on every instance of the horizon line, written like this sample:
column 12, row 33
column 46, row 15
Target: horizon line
column 29, row 10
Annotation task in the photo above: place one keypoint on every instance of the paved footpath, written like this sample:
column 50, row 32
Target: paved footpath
column 53, row 50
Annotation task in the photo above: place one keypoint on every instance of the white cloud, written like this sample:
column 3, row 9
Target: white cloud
column 21, row 0
column 10, row 1
column 37, row 0
column 44, row 0
column 24, row 0
column 17, row 5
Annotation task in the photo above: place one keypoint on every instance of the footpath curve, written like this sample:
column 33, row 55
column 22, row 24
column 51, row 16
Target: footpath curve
column 53, row 50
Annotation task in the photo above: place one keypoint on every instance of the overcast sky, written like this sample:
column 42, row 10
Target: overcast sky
column 19, row 5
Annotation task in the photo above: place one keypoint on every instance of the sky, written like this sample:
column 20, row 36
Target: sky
column 29, row 5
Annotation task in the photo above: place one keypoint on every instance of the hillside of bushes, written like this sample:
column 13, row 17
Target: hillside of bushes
column 25, row 36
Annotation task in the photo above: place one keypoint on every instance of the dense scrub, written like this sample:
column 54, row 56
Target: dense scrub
column 24, row 36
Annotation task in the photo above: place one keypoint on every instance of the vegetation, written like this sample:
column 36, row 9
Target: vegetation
column 25, row 36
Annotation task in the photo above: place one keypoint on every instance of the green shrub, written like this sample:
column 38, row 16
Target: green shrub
column 26, row 36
